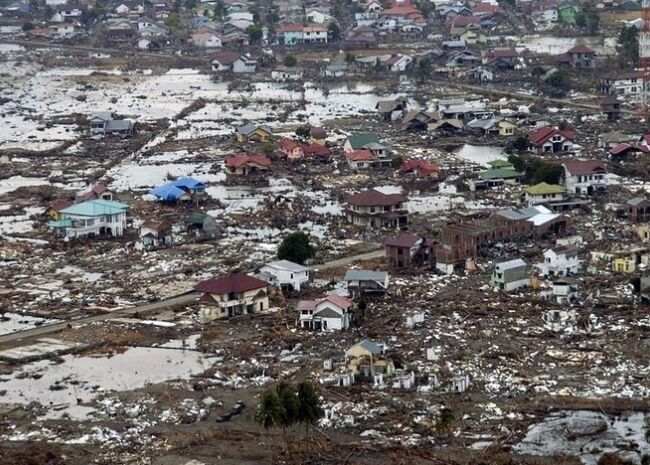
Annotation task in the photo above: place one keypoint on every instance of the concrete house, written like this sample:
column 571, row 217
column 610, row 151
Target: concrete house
column 232, row 295
column 581, row 56
column 408, row 250
column 367, row 360
column 244, row 64
column 223, row 61
column 244, row 164
column 156, row 234
column 380, row 155
column 93, row 218
column 362, row 282
column 103, row 124
column 373, row 209
column 638, row 209
column 560, row 261
column 285, row 275
column 330, row 313
column 585, row 177
column 291, row 149
column 511, row 275
column 550, row 139
column 544, row 193
column 253, row 133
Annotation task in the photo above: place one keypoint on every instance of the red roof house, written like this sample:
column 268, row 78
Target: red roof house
column 421, row 168
column 245, row 164
column 551, row 139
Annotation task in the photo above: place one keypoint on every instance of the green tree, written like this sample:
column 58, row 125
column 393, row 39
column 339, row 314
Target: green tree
column 309, row 405
column 628, row 44
column 424, row 69
column 255, row 34
column 558, row 84
column 270, row 411
column 588, row 19
column 27, row 27
column 303, row 131
column 219, row 9
column 334, row 32
column 296, row 248
column 290, row 61
column 173, row 22
column 446, row 420
column 290, row 405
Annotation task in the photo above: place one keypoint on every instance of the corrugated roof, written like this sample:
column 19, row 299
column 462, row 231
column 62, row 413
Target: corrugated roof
column 545, row 188
column 365, row 275
column 95, row 208
column 373, row 198
column 236, row 283
column 287, row 265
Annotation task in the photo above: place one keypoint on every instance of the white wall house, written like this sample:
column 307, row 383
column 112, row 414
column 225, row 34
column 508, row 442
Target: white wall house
column 283, row 273
column 561, row 261
column 331, row 313
column 585, row 177
column 91, row 218
column 511, row 275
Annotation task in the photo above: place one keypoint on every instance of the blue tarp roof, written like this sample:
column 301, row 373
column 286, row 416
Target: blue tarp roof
column 167, row 192
column 188, row 183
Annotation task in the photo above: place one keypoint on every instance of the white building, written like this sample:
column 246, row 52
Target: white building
column 318, row 17
column 283, row 74
column 585, row 177
column 283, row 273
column 511, row 275
column 561, row 261
column 92, row 218
column 331, row 313
column 244, row 64
column 543, row 193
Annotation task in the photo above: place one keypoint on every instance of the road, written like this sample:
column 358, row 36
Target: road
column 155, row 306
column 492, row 91
column 56, row 327
column 348, row 260
column 107, row 50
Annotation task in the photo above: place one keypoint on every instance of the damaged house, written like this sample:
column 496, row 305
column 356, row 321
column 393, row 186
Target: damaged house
column 375, row 210
column 232, row 295
column 285, row 275
column 363, row 282
column 560, row 261
column 330, row 313
column 550, row 139
column 585, row 177
column 243, row 164
column 104, row 124
column 93, row 218
column 409, row 251
column 511, row 275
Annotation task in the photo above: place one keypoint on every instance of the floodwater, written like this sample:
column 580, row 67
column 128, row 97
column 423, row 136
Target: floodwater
column 481, row 154
column 589, row 435
column 62, row 387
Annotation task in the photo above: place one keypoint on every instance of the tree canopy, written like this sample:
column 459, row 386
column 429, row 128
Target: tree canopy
column 296, row 248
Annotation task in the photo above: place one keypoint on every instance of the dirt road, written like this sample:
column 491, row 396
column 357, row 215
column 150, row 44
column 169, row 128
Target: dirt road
column 53, row 328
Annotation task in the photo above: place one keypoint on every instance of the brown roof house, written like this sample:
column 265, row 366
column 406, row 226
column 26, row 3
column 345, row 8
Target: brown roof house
column 408, row 250
column 585, row 177
column 232, row 295
column 373, row 209
column 244, row 164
